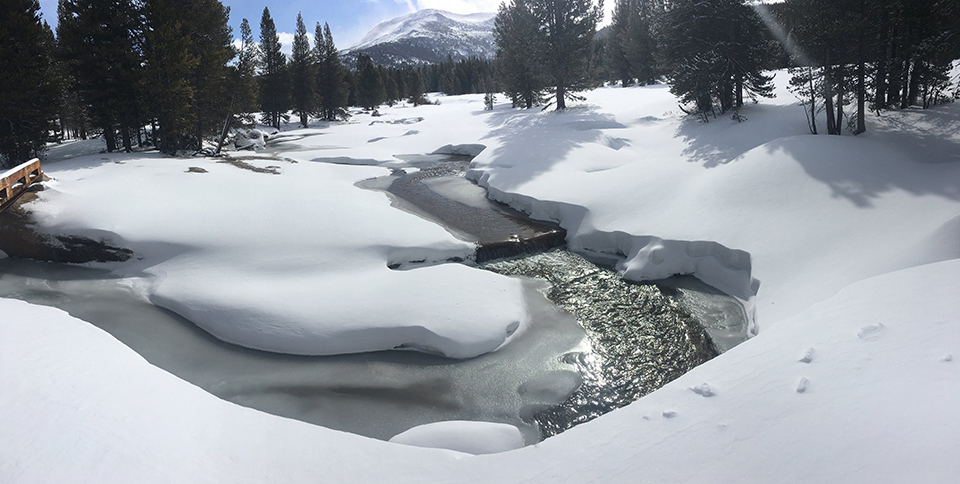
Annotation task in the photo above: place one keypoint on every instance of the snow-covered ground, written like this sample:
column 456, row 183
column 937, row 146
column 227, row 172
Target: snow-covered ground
column 846, row 247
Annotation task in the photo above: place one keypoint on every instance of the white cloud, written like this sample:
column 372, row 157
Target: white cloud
column 460, row 6
column 286, row 42
column 474, row 6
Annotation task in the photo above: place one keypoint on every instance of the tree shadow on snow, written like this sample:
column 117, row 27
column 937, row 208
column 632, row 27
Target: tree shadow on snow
column 932, row 135
column 863, row 170
column 722, row 139
column 533, row 141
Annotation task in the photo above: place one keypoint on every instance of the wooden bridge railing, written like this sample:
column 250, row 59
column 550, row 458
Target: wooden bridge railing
column 15, row 181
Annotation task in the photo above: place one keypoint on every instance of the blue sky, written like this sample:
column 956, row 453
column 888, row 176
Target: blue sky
column 349, row 19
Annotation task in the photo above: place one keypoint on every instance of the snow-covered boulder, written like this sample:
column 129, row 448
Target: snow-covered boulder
column 253, row 139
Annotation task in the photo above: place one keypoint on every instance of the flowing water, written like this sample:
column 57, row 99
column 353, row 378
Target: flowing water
column 595, row 341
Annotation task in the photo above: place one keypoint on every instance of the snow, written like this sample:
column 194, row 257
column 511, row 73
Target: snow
column 463, row 436
column 844, row 248
column 698, row 198
column 11, row 171
column 286, row 262
column 252, row 139
column 875, row 402
column 419, row 23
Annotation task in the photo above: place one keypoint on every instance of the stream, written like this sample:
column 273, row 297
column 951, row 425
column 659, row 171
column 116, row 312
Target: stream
column 594, row 343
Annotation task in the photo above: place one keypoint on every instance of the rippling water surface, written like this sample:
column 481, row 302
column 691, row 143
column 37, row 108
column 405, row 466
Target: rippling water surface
column 595, row 341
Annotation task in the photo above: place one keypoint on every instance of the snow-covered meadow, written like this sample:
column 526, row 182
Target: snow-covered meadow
column 845, row 248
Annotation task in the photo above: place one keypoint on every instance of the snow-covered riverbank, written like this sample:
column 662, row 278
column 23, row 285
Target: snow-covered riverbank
column 853, row 376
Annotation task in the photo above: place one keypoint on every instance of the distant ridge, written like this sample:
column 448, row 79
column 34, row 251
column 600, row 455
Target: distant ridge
column 427, row 37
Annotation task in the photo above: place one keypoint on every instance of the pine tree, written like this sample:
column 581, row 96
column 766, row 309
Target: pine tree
column 390, row 93
column 636, row 40
column 248, row 60
column 211, row 41
column 714, row 52
column 274, row 76
column 369, row 86
column 245, row 90
column 187, row 46
column 614, row 52
column 303, row 74
column 98, row 41
column 332, row 85
column 168, row 68
column 516, row 34
column 415, row 88
column 28, row 98
column 565, row 46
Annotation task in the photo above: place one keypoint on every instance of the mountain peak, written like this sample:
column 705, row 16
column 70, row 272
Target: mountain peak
column 429, row 36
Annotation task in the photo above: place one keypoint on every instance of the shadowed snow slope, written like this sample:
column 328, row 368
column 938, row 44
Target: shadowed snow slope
column 860, row 388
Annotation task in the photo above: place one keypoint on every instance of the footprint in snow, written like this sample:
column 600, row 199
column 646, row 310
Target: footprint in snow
column 669, row 413
column 703, row 390
column 870, row 332
column 946, row 358
column 802, row 384
column 807, row 356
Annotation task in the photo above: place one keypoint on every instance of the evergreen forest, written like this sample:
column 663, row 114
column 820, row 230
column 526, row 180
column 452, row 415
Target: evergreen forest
column 172, row 75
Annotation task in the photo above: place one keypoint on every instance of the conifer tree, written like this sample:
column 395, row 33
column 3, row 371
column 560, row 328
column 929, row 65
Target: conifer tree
column 332, row 85
column 714, row 52
column 28, row 98
column 390, row 94
column 369, row 86
column 516, row 33
column 248, row 60
column 632, row 49
column 303, row 74
column 245, row 90
column 274, row 76
column 187, row 47
column 415, row 88
column 565, row 47
column 168, row 64
column 97, row 39
column 211, row 41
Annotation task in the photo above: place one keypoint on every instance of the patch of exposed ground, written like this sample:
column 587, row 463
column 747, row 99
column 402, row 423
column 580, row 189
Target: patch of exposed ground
column 19, row 239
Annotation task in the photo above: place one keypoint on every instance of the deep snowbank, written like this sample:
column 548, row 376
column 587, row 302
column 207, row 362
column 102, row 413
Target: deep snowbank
column 642, row 257
column 853, row 376
column 859, row 388
column 734, row 204
column 295, row 262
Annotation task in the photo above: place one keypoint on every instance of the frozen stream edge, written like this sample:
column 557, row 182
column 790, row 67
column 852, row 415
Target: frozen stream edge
column 641, row 258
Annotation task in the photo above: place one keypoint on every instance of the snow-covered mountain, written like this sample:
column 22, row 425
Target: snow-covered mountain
column 427, row 36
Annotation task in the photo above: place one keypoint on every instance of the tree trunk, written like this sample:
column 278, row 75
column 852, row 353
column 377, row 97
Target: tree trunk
column 561, row 95
column 905, row 85
column 828, row 95
column 813, row 103
column 739, row 87
column 841, row 92
column 111, row 138
column 883, row 54
column 914, row 92
column 125, row 136
column 861, row 86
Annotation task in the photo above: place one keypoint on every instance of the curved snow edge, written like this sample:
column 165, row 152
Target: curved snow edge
column 469, row 437
column 642, row 257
